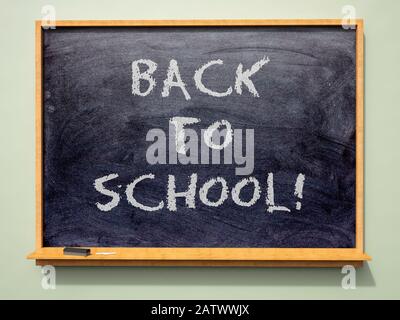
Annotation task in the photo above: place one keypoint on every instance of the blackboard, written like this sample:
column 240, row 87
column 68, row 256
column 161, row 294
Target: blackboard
column 107, row 90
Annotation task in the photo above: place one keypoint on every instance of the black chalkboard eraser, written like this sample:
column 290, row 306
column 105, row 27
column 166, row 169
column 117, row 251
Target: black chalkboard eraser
column 76, row 252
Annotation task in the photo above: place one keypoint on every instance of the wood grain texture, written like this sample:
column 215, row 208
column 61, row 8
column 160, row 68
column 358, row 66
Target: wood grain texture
column 182, row 23
column 360, row 136
column 198, row 263
column 39, row 137
column 295, row 258
column 253, row 254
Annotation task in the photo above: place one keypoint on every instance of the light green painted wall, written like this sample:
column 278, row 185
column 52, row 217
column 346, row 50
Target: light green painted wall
column 19, row 278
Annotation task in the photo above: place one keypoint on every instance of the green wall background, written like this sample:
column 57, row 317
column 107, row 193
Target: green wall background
column 20, row 278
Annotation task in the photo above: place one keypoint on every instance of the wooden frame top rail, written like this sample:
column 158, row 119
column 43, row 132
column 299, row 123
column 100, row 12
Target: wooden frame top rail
column 195, row 22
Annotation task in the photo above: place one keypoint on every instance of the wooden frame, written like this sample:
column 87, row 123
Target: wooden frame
column 251, row 257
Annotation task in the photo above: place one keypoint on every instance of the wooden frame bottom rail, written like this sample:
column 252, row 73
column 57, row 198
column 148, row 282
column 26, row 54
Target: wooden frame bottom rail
column 197, row 263
column 216, row 257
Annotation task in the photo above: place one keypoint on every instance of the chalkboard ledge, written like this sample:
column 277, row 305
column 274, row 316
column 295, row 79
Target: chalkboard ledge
column 212, row 257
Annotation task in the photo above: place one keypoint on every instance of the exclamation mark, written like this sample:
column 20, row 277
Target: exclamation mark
column 298, row 189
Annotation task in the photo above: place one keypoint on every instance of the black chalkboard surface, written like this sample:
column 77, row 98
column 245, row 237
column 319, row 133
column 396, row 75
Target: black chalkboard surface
column 106, row 89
